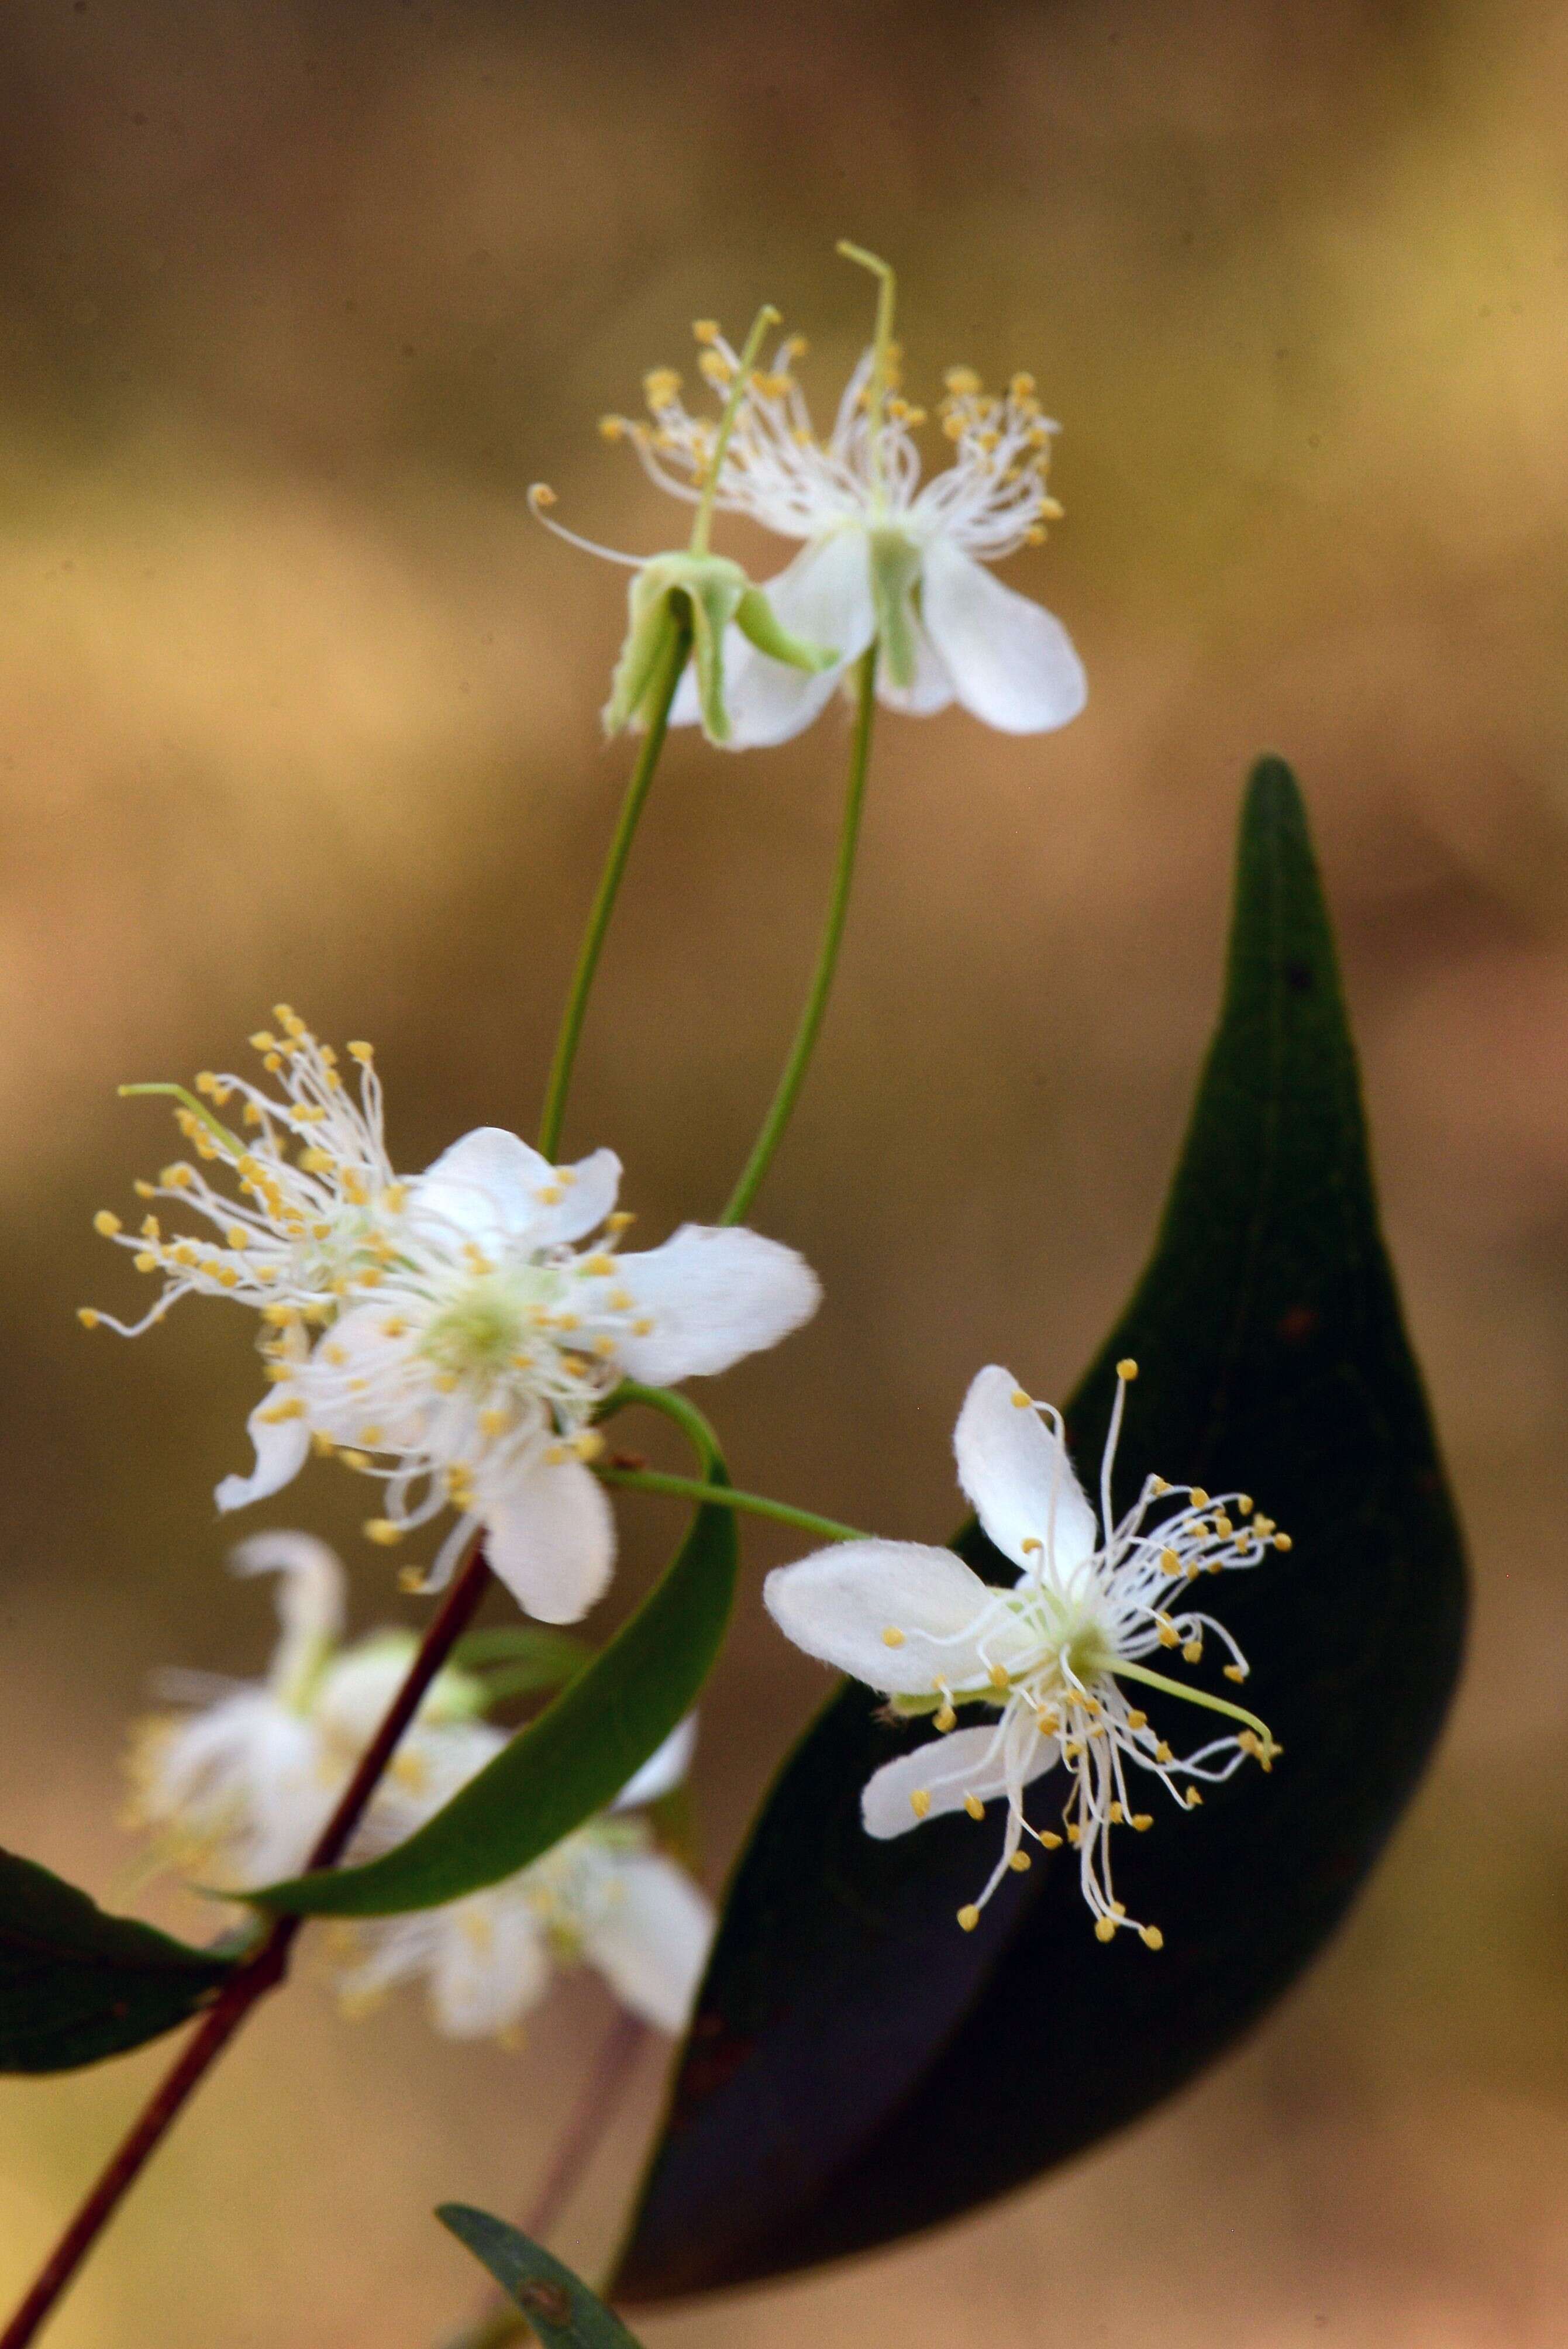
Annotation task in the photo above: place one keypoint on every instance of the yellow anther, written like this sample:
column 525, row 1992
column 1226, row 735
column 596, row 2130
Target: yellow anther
column 273, row 1063
column 714, row 367
column 1135, row 1720
column 323, row 1445
column 316, row 1161
column 1127, row 1370
column 998, row 1676
column 1244, row 1503
column 1199, row 1498
column 1143, row 1821
column 1021, row 1402
column 1162, row 1752
column 1169, row 1635
column 1282, row 1541
column 361, row 1052
column 89, row 1317
column 372, row 1436
column 974, row 1807
column 1235, row 1673
column 1192, row 1651
column 1194, row 1799
column 612, row 428
column 555, row 1457
column 893, row 1637
column 145, row 1190
column 1021, row 1862
column 969, row 1918
column 289, row 1407
column 177, row 1178
column 920, row 1802
column 1105, row 1929
column 238, row 1237
column 264, row 1041
column 1157, row 1485
column 643, row 1327
column 1050, row 1842
column 145, row 1261
column 1152, row 1937
column 962, row 381
column 106, row 1223
column 1075, row 1833
column 281, row 1317
column 589, row 1444
column 620, row 1221
column 598, row 1265
column 551, row 1195
column 385, row 1530
column 1169, row 1562
column 1030, row 1546
column 352, row 1459
column 494, row 1423
column 704, row 330
column 1117, row 1815
column 661, row 386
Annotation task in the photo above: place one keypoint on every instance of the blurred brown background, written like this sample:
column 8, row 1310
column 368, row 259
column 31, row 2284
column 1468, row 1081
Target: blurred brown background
column 294, row 301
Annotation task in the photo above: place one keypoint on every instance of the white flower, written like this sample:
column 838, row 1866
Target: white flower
column 446, row 1322
column 605, row 1895
column 885, row 558
column 477, row 1366
column 1049, row 1656
column 238, row 1791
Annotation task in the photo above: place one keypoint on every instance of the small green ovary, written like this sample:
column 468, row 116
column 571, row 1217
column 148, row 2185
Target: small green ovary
column 479, row 1334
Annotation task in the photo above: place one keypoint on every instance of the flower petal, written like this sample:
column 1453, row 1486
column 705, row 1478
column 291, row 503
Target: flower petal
column 359, row 1378
column 929, row 690
column 841, row 1604
column 712, row 1296
column 282, row 1447
column 1016, row 1472
column 947, row 1770
column 662, row 1770
column 1011, row 662
column 825, row 598
column 492, row 1187
column 489, row 1967
column 652, row 1944
column 550, row 1536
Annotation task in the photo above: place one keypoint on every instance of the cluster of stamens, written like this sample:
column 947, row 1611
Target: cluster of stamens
column 302, row 1223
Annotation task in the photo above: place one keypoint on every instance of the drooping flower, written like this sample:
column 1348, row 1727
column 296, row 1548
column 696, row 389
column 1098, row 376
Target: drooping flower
column 885, row 558
column 444, row 1331
column 237, row 1789
column 472, row 1373
column 705, row 594
column 604, row 1896
column 1057, row 1657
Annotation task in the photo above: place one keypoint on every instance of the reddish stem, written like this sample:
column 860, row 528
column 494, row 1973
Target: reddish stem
column 261, row 1972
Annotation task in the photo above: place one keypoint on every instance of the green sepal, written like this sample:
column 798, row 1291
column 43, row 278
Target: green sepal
column 706, row 592
column 895, row 574
column 558, row 2305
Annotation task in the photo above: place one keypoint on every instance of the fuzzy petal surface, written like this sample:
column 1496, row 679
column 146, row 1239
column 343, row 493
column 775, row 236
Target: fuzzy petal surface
column 712, row 1296
column 969, row 1762
column 492, row 1188
column 652, row 1944
column 1012, row 663
column 282, row 1447
column 1017, row 1473
column 549, row 1535
column 824, row 596
column 839, row 1604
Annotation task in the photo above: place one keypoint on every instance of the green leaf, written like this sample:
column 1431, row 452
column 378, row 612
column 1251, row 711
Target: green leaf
column 859, row 2068
column 568, row 1763
column 558, row 2305
column 529, row 1658
column 77, row 1984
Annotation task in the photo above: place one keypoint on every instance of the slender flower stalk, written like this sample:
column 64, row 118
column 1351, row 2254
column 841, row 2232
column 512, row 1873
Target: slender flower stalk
column 553, row 1117
column 782, row 1107
column 725, row 1496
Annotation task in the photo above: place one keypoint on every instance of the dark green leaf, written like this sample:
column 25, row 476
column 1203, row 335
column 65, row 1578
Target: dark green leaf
column 77, row 1985
column 859, row 2068
column 569, row 1763
column 558, row 2305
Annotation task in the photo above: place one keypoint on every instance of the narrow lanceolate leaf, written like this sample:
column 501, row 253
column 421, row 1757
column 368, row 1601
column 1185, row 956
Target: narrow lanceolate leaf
column 859, row 2068
column 558, row 2305
column 77, row 1984
column 573, row 1761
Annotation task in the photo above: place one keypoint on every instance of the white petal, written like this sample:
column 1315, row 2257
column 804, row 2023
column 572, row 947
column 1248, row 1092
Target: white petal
column 282, row 1447
column 357, row 1352
column 839, row 1604
column 652, row 1945
column 488, row 1967
column 550, row 1536
column 663, row 1770
column 1012, row 664
column 712, row 1295
column 969, row 1762
column 492, row 1187
column 685, row 710
column 1016, row 1472
column 824, row 597
column 931, row 688
column 311, row 1593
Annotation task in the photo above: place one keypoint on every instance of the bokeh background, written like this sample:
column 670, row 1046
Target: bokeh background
column 295, row 302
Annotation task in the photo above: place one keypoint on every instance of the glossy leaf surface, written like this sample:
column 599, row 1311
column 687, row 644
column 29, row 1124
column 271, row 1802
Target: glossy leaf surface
column 569, row 1763
column 558, row 2305
column 78, row 1985
column 859, row 2068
